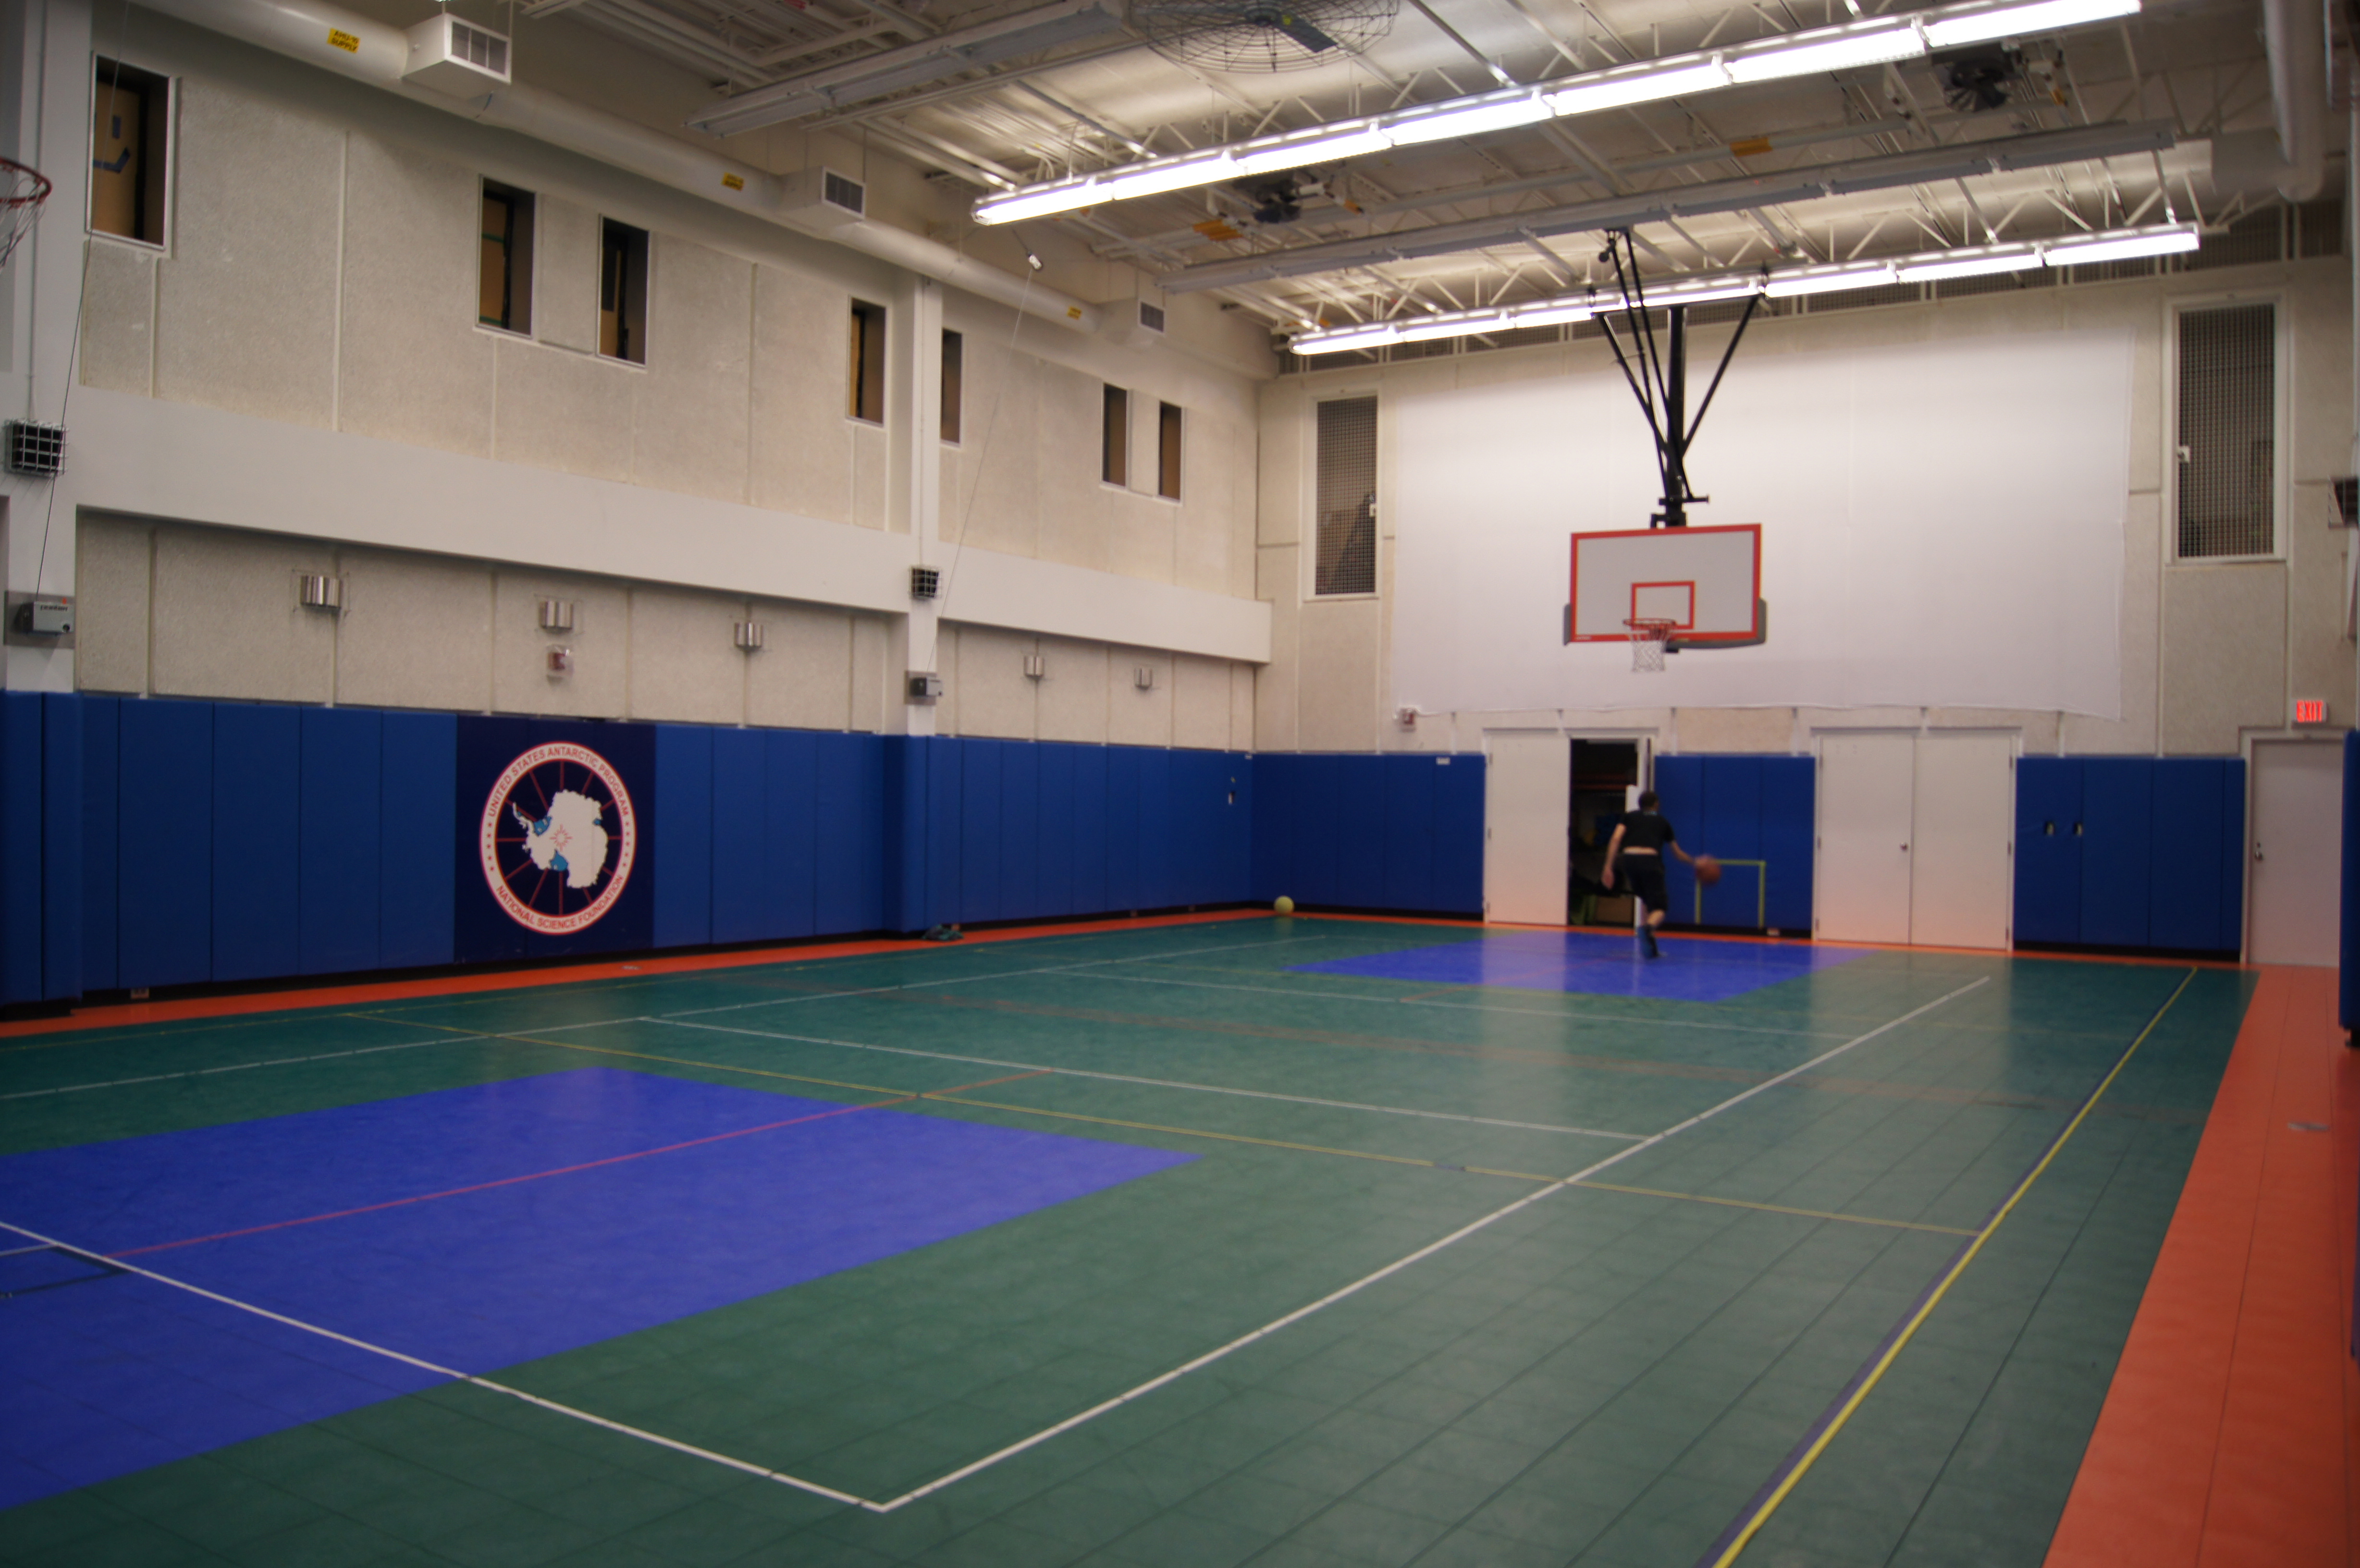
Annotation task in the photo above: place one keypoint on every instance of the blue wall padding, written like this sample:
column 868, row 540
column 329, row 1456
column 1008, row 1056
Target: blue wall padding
column 907, row 880
column 2048, row 849
column 793, row 827
column 341, row 839
column 980, row 781
column 1742, row 809
column 1092, row 766
column 256, row 841
column 165, row 850
column 2131, row 852
column 683, row 816
column 101, row 785
column 420, row 808
column 740, row 835
column 1326, row 828
column 20, row 845
column 848, row 806
column 2348, row 975
column 60, row 904
column 1020, row 830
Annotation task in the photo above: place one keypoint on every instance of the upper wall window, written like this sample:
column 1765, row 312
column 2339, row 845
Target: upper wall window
column 954, row 391
column 623, row 292
column 1167, row 451
column 128, row 152
column 865, row 386
column 506, row 277
column 1344, row 553
column 2227, row 434
column 1114, row 437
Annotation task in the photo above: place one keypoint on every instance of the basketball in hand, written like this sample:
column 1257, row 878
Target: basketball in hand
column 1708, row 869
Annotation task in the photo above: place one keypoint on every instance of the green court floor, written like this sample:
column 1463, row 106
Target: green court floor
column 1609, row 1374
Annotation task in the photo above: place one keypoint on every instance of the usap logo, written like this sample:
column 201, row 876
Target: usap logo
column 558, row 838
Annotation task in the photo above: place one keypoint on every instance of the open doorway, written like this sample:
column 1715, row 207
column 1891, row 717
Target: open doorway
column 1603, row 775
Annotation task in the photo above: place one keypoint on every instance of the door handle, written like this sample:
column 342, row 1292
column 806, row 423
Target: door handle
column 2257, row 849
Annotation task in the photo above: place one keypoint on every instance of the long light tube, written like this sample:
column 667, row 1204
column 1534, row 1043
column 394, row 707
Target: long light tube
column 1876, row 41
column 2112, row 245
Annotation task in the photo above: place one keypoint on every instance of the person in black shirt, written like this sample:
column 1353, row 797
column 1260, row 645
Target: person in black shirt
column 1636, row 852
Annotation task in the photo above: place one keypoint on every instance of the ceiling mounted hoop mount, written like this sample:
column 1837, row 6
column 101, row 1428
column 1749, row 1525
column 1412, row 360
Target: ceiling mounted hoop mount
column 23, row 189
column 1650, row 641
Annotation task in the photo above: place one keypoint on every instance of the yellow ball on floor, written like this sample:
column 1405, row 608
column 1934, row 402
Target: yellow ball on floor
column 1282, row 905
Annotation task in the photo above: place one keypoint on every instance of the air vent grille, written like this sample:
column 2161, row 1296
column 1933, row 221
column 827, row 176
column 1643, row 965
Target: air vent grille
column 848, row 194
column 1151, row 316
column 37, row 448
column 925, row 582
column 489, row 51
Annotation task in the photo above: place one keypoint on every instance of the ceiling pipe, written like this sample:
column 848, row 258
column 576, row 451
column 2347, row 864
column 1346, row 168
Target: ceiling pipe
column 352, row 46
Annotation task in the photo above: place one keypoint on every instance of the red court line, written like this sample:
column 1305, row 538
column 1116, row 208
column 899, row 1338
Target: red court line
column 2225, row 1441
column 563, row 1170
column 237, row 1004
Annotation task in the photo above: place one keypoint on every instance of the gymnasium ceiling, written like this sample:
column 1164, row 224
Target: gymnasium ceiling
column 1105, row 98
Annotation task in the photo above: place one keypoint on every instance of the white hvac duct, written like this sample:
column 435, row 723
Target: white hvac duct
column 2296, row 34
column 350, row 44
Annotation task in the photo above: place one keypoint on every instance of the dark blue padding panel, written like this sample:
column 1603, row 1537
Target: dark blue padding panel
column 2048, row 849
column 1790, row 839
column 848, row 809
column 2347, row 1011
column 2184, row 854
column 941, row 828
column 2231, row 936
column 1406, row 851
column 1055, row 829
column 682, row 817
column 115, row 1374
column 741, row 823
column 20, row 846
column 1020, row 833
column 165, row 881
column 59, row 900
column 340, row 856
column 1459, row 834
column 1150, row 829
column 2117, row 815
column 979, row 819
column 1273, row 825
column 1091, row 887
column 101, row 783
column 903, row 812
column 1731, row 830
column 420, row 808
column 793, row 782
column 1122, row 881
column 257, row 807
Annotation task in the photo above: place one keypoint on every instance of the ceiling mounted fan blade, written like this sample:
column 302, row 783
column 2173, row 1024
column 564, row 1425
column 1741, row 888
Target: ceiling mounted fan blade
column 1303, row 32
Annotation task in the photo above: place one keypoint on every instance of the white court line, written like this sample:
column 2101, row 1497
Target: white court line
column 102, row 1261
column 1069, row 1423
column 1151, row 1082
column 240, row 1067
column 1463, row 1007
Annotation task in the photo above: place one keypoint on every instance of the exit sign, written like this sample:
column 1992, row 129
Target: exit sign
column 2309, row 710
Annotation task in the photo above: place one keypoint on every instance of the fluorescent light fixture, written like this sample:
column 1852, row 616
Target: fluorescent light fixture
column 2121, row 245
column 1817, row 280
column 1927, row 266
column 1776, row 59
column 1651, row 84
column 1876, row 41
column 2022, row 259
column 1983, row 24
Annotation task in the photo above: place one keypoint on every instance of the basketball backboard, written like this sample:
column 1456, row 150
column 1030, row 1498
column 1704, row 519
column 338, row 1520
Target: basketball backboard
column 1706, row 582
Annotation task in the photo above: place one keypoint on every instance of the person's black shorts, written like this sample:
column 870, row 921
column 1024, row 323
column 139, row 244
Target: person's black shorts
column 1643, row 875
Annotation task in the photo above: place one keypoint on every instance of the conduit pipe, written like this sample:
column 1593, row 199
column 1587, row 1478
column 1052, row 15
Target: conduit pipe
column 2294, row 33
column 353, row 46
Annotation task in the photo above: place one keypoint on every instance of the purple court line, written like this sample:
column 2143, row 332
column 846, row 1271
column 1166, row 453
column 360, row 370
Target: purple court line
column 1756, row 1507
column 560, row 1170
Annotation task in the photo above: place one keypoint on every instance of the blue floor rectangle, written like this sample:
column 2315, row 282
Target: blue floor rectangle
column 473, row 1228
column 1596, row 964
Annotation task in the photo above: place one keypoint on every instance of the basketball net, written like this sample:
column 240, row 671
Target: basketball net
column 22, row 191
column 1649, row 639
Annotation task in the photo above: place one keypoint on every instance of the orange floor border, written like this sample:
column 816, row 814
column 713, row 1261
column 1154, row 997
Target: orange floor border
column 236, row 1004
column 2228, row 1435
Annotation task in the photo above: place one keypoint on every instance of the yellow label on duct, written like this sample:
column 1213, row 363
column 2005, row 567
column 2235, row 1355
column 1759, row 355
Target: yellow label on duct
column 1073, row 312
column 338, row 38
column 1752, row 147
column 735, row 182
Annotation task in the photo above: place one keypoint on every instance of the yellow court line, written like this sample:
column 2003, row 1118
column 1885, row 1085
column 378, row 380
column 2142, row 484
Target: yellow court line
column 674, row 1060
column 1240, row 1138
column 1934, row 1298
column 1776, row 1208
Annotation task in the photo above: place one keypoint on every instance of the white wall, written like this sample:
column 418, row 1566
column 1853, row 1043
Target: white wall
column 2208, row 652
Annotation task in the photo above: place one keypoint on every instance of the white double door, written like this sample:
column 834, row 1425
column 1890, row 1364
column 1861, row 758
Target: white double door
column 1917, row 839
